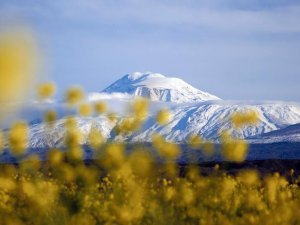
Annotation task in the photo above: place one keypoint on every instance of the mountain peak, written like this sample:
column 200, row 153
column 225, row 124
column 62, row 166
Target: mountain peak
column 158, row 87
column 139, row 75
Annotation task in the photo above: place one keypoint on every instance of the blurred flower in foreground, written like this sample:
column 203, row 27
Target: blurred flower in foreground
column 100, row 107
column 163, row 117
column 85, row 109
column 1, row 141
column 18, row 138
column 50, row 116
column 240, row 119
column 168, row 150
column 74, row 95
column 140, row 108
column 233, row 149
column 95, row 139
column 18, row 64
column 46, row 90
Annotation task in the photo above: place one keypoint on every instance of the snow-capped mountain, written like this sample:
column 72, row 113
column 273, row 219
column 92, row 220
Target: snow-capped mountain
column 193, row 112
column 158, row 87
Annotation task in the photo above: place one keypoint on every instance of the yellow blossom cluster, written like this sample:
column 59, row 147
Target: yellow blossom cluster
column 46, row 90
column 50, row 116
column 74, row 95
column 19, row 64
column 18, row 138
column 241, row 119
column 1, row 141
column 163, row 117
column 233, row 149
column 85, row 109
column 100, row 107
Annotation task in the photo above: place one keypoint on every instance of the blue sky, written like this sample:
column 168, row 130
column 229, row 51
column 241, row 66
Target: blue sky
column 235, row 49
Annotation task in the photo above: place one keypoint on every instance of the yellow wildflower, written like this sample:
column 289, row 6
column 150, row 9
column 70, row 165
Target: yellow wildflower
column 18, row 138
column 163, row 117
column 140, row 108
column 18, row 64
column 50, row 116
column 74, row 95
column 233, row 149
column 1, row 141
column 55, row 156
column 95, row 138
column 46, row 90
column 100, row 107
column 240, row 119
column 85, row 109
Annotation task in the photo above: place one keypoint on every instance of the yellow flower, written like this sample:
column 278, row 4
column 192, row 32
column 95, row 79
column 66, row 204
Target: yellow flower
column 249, row 177
column 100, row 107
column 18, row 138
column 240, row 119
column 233, row 149
column 50, row 116
column 228, row 185
column 73, row 138
column 128, row 125
column 55, row 156
column 85, row 109
column 7, row 183
column 18, row 68
column 114, row 156
column 170, row 193
column 163, row 117
column 1, row 141
column 95, row 139
column 141, row 163
column 70, row 123
column 140, row 108
column 75, row 153
column 74, row 95
column 167, row 150
column 46, row 90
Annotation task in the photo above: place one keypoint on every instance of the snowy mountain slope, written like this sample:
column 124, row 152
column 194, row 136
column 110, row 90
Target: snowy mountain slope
column 206, row 119
column 191, row 113
column 157, row 87
column 209, row 119
column 288, row 134
column 43, row 136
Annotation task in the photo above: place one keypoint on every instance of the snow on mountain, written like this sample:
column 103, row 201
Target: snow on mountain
column 158, row 87
column 43, row 136
column 206, row 119
column 193, row 112
column 288, row 134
